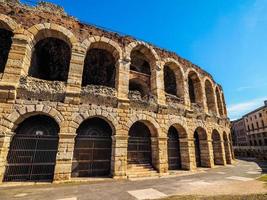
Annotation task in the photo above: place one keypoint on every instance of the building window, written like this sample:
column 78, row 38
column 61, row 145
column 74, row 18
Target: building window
column 257, row 123
column 265, row 142
column 260, row 143
column 253, row 127
column 260, row 115
column 255, row 116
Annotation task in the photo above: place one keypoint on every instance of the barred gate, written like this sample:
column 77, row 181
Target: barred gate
column 139, row 144
column 92, row 150
column 32, row 152
column 174, row 157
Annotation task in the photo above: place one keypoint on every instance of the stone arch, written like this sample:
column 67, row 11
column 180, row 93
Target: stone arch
column 145, row 48
column 103, row 43
column 7, row 29
column 46, row 30
column 177, row 123
column 79, row 118
column 177, row 147
column 179, row 75
column 219, row 100
column 8, row 23
column 36, row 131
column 194, row 88
column 150, row 122
column 201, row 147
column 20, row 114
column 102, row 56
column 217, row 147
column 51, row 47
column 210, row 96
column 92, row 154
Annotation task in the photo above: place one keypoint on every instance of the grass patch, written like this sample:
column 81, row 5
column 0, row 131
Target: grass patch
column 220, row 197
column 263, row 178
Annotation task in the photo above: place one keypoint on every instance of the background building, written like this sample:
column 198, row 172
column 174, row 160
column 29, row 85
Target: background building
column 250, row 133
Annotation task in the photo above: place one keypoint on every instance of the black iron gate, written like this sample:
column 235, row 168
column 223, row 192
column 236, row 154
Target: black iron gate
column 139, row 144
column 197, row 149
column 33, row 149
column 92, row 150
column 174, row 157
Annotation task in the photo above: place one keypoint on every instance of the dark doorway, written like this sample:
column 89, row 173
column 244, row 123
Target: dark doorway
column 197, row 149
column 33, row 149
column 139, row 144
column 5, row 45
column 174, row 156
column 92, row 150
column 170, row 81
column 99, row 68
column 50, row 60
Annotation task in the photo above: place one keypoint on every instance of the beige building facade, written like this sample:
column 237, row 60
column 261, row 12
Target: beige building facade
column 251, row 133
column 79, row 101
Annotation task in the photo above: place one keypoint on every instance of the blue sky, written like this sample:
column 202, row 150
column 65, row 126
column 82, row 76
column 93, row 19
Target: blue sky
column 227, row 38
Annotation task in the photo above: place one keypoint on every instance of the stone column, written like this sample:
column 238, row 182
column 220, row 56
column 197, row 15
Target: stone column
column 187, row 153
column 64, row 157
column 192, row 154
column 4, row 148
column 18, row 59
column 119, row 156
column 206, row 153
column 157, row 84
column 218, row 152
column 74, row 82
column 155, row 153
column 204, row 98
column 162, row 155
column 122, row 78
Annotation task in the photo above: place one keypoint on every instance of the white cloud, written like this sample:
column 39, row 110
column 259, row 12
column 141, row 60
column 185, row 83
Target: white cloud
column 238, row 110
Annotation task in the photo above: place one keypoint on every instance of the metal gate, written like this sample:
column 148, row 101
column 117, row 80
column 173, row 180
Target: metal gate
column 174, row 157
column 139, row 144
column 92, row 150
column 197, row 149
column 33, row 149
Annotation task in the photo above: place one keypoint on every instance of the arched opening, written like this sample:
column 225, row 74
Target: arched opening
column 201, row 146
column 227, row 148
column 140, row 72
column 138, row 88
column 5, row 46
column 99, row 68
column 139, row 62
column 174, row 154
column 139, row 144
column 33, row 150
column 219, row 101
column 194, row 88
column 210, row 97
column 217, row 148
column 169, row 81
column 50, row 60
column 92, row 149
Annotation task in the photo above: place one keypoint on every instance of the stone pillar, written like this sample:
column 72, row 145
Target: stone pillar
column 155, row 153
column 218, row 152
column 192, row 154
column 4, row 148
column 157, row 84
column 206, row 153
column 119, row 156
column 204, row 99
column 18, row 58
column 122, row 78
column 187, row 153
column 64, row 157
column 162, row 155
column 74, row 82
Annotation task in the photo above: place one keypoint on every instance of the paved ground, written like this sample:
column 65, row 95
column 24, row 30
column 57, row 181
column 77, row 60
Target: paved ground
column 236, row 179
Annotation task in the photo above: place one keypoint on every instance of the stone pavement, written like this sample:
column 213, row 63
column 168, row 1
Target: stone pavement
column 235, row 179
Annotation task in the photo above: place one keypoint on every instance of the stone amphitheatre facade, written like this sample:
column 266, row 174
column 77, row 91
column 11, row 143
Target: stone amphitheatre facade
column 79, row 101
